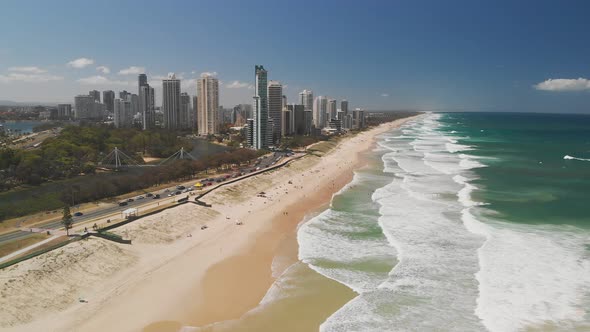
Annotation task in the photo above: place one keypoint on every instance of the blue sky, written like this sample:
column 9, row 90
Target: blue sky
column 431, row 55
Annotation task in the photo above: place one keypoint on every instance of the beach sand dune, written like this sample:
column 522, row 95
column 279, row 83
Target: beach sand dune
column 57, row 280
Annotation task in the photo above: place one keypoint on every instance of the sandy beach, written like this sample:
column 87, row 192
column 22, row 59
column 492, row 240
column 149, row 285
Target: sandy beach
column 176, row 275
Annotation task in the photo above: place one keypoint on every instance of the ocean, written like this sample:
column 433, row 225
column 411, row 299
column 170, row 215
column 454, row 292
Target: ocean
column 463, row 222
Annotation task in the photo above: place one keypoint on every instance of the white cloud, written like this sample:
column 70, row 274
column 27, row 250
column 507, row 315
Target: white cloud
column 28, row 69
column 564, row 84
column 80, row 63
column 209, row 73
column 237, row 85
column 103, row 69
column 29, row 78
column 133, row 70
column 385, row 95
column 100, row 80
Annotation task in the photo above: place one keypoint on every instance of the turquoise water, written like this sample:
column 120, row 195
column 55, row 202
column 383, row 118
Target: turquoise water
column 528, row 180
column 465, row 222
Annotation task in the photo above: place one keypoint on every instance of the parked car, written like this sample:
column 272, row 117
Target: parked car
column 156, row 196
column 178, row 192
column 130, row 200
column 122, row 203
column 140, row 197
column 77, row 214
column 149, row 195
column 180, row 187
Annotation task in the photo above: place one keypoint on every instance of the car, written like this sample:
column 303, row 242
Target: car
column 130, row 200
column 257, row 168
column 140, row 197
column 156, row 196
column 178, row 193
column 78, row 214
column 167, row 190
column 122, row 203
column 190, row 189
column 149, row 195
column 180, row 187
column 170, row 195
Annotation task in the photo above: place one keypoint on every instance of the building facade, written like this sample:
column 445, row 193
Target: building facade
column 320, row 108
column 306, row 99
column 171, row 102
column 123, row 114
column 95, row 95
column 208, row 105
column 64, row 111
column 260, row 116
column 108, row 98
column 275, row 108
column 185, row 111
column 332, row 110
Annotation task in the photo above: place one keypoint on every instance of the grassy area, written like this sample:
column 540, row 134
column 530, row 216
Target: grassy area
column 15, row 245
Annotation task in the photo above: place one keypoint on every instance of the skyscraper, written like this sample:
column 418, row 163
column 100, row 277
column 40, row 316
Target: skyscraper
column 306, row 99
column 320, row 107
column 275, row 107
column 123, row 94
column 332, row 109
column 194, row 117
column 84, row 107
column 185, row 110
column 108, row 98
column 123, row 114
column 260, row 108
column 146, row 102
column 344, row 106
column 142, row 80
column 146, row 107
column 95, row 94
column 208, row 105
column 171, row 102
column 64, row 111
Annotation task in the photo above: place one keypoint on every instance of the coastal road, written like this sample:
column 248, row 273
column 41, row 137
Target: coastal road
column 140, row 203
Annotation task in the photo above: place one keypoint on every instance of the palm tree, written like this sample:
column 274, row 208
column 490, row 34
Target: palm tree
column 67, row 219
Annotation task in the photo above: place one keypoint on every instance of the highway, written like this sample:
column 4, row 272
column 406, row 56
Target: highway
column 112, row 210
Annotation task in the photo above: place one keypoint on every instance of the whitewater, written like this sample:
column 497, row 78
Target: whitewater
column 422, row 256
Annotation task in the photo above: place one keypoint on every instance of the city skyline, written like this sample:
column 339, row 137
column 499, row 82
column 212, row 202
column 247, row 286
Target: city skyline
column 390, row 55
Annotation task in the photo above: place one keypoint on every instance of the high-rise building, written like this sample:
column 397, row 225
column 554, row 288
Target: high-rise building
column 275, row 107
column 208, row 105
column 123, row 114
column 146, row 107
column 171, row 102
column 332, row 110
column 344, row 106
column 308, row 119
column 261, row 119
column 320, row 107
column 124, row 94
column 185, row 110
column 297, row 118
column 95, row 94
column 306, row 99
column 64, row 111
column 142, row 80
column 84, row 107
column 134, row 99
column 193, row 118
column 250, row 132
column 108, row 98
column 358, row 119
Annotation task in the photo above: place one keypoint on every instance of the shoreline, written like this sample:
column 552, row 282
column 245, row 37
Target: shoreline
column 178, row 275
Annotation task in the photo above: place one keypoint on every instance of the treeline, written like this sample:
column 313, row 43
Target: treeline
column 94, row 187
column 77, row 150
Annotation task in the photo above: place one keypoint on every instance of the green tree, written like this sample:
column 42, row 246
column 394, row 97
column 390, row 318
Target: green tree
column 67, row 219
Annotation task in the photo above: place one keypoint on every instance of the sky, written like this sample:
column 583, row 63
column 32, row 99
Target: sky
column 528, row 56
